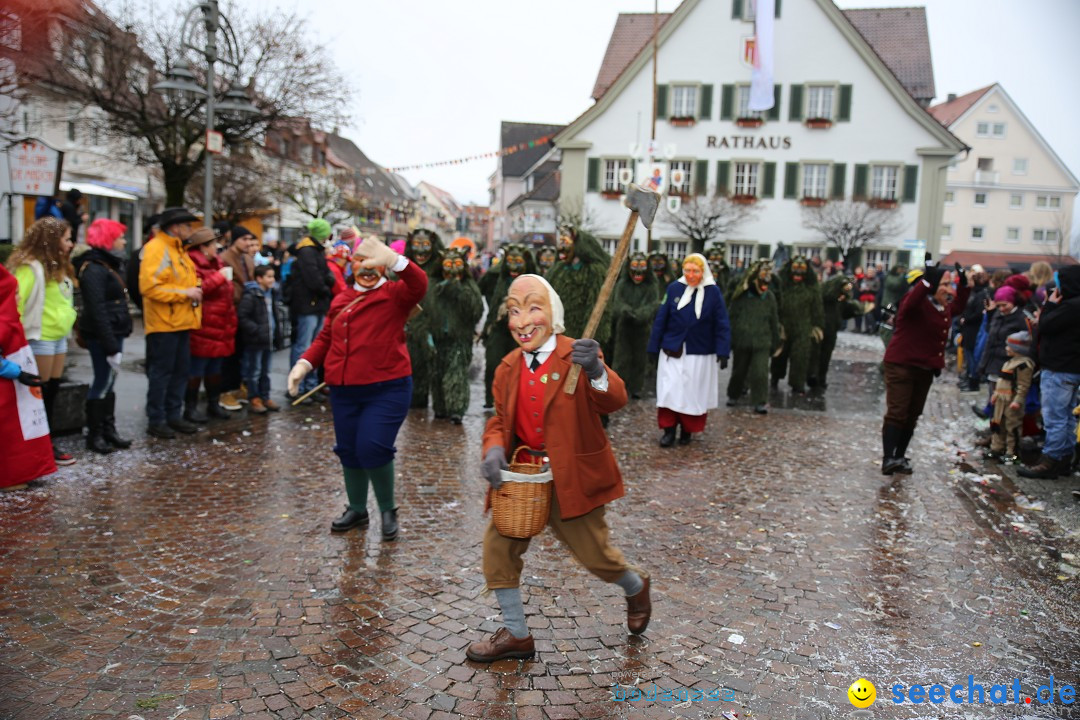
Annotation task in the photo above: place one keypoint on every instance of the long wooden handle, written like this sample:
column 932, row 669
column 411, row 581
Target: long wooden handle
column 308, row 394
column 621, row 251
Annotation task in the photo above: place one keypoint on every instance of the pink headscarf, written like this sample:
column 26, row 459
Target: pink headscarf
column 103, row 233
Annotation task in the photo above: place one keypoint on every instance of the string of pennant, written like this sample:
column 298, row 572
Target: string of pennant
column 470, row 158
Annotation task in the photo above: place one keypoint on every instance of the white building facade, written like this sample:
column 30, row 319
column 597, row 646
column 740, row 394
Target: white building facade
column 843, row 125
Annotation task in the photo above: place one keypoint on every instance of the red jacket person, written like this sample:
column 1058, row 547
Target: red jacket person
column 531, row 409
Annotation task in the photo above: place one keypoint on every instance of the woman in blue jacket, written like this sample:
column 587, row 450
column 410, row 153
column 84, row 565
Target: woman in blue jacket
column 692, row 335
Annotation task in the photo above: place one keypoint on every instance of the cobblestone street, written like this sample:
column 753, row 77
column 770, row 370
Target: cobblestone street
column 199, row 579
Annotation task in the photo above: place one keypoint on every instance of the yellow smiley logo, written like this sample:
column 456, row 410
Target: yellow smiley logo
column 862, row 693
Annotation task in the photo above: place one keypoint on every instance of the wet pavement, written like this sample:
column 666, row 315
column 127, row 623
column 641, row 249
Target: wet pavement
column 198, row 578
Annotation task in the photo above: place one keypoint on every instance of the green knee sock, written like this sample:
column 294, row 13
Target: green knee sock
column 356, row 484
column 382, row 481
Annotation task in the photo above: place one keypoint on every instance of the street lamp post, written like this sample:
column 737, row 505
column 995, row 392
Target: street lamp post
column 181, row 81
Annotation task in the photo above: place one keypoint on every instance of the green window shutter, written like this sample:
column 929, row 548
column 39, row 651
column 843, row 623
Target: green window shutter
column 705, row 113
column 594, row 175
column 862, row 175
column 661, row 102
column 777, row 13
column 774, row 111
column 911, row 179
column 727, row 102
column 736, row 9
column 795, row 102
column 791, row 180
column 701, row 176
column 903, row 257
column 768, row 185
column 839, row 175
column 723, row 177
column 763, row 252
column 844, row 114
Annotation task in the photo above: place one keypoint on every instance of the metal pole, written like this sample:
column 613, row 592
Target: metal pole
column 211, row 13
column 652, row 139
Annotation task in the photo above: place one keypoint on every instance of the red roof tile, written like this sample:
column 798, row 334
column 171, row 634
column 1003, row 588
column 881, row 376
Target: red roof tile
column 632, row 32
column 900, row 37
column 947, row 112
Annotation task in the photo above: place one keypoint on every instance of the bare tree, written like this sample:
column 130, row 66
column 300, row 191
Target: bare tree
column 95, row 62
column 849, row 225
column 241, row 186
column 315, row 193
column 707, row 217
column 575, row 214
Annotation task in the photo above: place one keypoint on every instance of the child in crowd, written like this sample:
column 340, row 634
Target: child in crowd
column 255, row 316
column 1009, row 396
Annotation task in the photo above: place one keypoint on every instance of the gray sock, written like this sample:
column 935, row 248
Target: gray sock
column 513, row 611
column 631, row 583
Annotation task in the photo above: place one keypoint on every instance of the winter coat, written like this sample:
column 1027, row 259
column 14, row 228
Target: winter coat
column 1058, row 335
column 1001, row 327
column 243, row 270
column 311, row 284
column 893, row 290
column 708, row 335
column 922, row 330
column 339, row 276
column 105, row 316
column 164, row 273
column 217, row 336
column 253, row 317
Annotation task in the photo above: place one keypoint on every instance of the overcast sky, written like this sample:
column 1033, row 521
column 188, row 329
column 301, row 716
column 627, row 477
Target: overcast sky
column 434, row 79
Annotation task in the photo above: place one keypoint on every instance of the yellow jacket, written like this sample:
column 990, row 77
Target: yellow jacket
column 164, row 273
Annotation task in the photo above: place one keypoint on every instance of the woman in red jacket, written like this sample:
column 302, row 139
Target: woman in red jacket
column 216, row 339
column 361, row 349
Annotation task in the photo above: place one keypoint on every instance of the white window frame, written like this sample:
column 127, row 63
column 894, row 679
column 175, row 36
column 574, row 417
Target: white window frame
column 1016, row 206
column 1044, row 236
column 749, row 10
column 880, row 188
column 747, row 251
column 995, row 127
column 946, row 231
column 981, row 233
column 674, row 249
column 1047, row 202
column 747, row 175
column 991, row 108
column 1012, row 230
column 821, row 173
column 817, row 106
column 809, row 251
column 609, row 244
column 612, row 166
column 950, row 200
column 1017, row 161
column 873, row 257
column 687, row 166
column 686, row 95
column 985, row 199
column 982, row 129
column 742, row 97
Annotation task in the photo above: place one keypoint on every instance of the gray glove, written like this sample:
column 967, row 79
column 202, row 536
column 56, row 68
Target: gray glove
column 586, row 353
column 494, row 461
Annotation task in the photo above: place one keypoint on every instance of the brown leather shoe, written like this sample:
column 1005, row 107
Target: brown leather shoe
column 639, row 610
column 501, row 646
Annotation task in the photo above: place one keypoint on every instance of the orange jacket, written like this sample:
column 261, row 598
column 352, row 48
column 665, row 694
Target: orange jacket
column 164, row 273
column 583, row 468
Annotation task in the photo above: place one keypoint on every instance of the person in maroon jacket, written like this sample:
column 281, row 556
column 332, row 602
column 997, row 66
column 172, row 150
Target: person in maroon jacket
column 216, row 339
column 361, row 349
column 916, row 355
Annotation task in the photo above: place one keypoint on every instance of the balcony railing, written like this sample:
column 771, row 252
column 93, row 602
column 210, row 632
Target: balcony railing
column 986, row 177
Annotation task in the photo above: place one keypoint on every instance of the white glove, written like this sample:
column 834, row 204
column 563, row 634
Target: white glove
column 377, row 253
column 226, row 272
column 296, row 376
column 114, row 361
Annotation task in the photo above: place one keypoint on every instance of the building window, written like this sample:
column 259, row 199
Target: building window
column 740, row 256
column 609, row 243
column 980, row 199
column 950, row 197
column 749, row 10
column 986, row 164
column 946, row 232
column 878, row 257
column 819, row 102
column 683, row 188
column 992, row 108
column 998, row 130
column 1020, row 166
column 1012, row 235
column 746, row 178
column 1016, row 201
column 1048, row 202
column 982, row 129
column 71, row 130
column 611, row 174
column 977, row 232
column 1045, row 236
column 684, row 101
column 808, row 251
column 744, row 104
column 883, row 186
column 815, row 181
column 675, row 249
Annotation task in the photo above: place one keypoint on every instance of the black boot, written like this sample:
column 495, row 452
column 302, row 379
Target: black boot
column 890, row 439
column 191, row 403
column 901, row 451
column 684, row 436
column 389, row 524
column 668, row 438
column 213, row 396
column 108, row 425
column 348, row 520
column 95, row 418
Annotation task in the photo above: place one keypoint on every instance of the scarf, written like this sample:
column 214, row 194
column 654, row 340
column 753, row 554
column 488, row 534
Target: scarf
column 706, row 280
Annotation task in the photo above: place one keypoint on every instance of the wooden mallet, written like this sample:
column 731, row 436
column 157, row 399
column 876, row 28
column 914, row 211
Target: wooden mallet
column 643, row 204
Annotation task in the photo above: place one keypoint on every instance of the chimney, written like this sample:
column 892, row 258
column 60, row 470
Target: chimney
column 952, row 96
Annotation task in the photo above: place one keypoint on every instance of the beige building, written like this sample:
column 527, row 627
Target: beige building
column 1009, row 201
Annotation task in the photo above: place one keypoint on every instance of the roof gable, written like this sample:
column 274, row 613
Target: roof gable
column 632, row 31
column 515, row 164
column 949, row 112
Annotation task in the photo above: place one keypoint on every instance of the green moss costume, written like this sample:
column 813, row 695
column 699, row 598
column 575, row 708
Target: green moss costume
column 838, row 306
column 456, row 308
column 578, row 279
column 801, row 316
column 546, row 257
column 497, row 339
column 660, row 266
column 755, row 333
column 417, row 332
column 489, row 280
column 721, row 271
column 633, row 308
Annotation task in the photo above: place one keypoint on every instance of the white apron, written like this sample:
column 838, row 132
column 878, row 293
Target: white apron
column 689, row 384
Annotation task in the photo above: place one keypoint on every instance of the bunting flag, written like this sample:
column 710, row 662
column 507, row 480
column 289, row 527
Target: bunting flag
column 469, row 158
column 761, row 78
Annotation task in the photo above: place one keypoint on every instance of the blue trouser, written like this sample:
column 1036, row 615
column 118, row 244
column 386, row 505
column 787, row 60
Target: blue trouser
column 167, row 358
column 307, row 327
column 367, row 419
column 204, row 366
column 257, row 372
column 104, row 375
column 1059, row 396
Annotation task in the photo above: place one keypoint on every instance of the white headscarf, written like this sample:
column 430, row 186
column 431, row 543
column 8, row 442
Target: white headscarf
column 707, row 279
column 557, row 312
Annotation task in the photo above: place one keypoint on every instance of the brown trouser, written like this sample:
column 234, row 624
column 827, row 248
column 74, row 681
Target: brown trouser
column 586, row 536
column 1007, row 426
column 906, row 388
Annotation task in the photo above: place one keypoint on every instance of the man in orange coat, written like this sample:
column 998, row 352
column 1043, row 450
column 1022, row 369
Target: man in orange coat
column 532, row 410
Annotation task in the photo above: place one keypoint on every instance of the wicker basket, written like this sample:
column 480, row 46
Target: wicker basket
column 520, row 506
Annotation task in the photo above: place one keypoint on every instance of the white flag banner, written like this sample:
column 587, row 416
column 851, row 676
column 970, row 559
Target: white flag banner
column 761, row 78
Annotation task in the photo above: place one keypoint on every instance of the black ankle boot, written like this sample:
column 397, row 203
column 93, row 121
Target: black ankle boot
column 213, row 396
column 890, row 440
column 349, row 519
column 191, row 406
column 685, row 436
column 108, row 425
column 389, row 524
column 95, row 413
column 668, row 438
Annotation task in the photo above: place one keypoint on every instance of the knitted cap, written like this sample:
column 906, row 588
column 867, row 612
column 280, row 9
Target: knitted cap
column 318, row 229
column 1006, row 294
column 1020, row 343
column 103, row 233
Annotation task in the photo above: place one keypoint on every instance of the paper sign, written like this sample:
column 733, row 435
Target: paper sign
column 34, row 168
column 28, row 400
